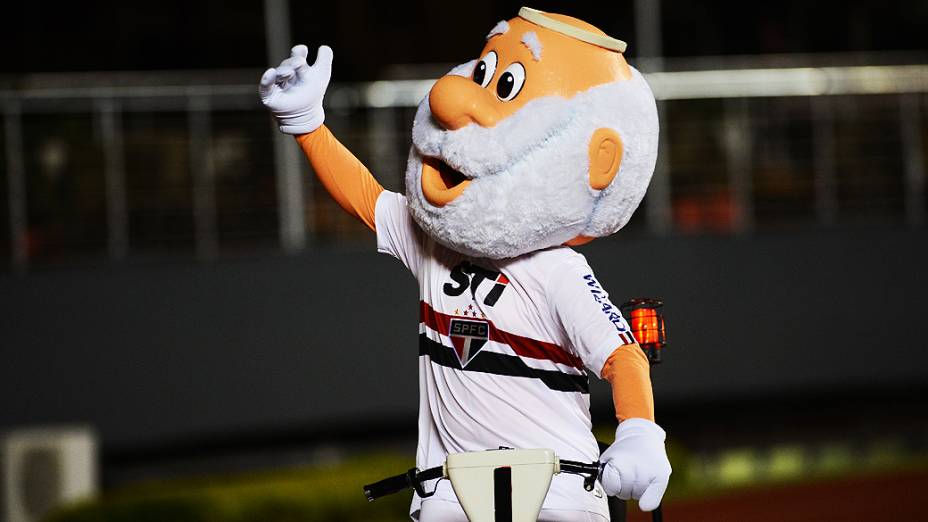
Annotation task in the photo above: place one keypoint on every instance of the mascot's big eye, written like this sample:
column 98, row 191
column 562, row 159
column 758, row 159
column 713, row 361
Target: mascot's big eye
column 511, row 82
column 485, row 69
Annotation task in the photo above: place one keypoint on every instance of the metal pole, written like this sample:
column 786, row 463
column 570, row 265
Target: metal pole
column 909, row 119
column 291, row 214
column 650, row 59
column 16, row 183
column 823, row 139
column 738, row 149
column 201, row 167
column 658, row 202
column 381, row 134
column 649, row 38
column 114, row 172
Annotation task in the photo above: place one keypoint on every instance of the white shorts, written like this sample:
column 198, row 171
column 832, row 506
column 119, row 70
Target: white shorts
column 439, row 510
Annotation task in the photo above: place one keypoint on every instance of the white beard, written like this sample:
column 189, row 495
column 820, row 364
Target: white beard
column 530, row 174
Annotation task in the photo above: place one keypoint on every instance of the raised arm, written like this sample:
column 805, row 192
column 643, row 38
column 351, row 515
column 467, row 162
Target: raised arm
column 346, row 179
column 293, row 91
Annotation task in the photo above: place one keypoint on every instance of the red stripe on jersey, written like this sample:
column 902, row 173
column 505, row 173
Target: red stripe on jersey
column 523, row 346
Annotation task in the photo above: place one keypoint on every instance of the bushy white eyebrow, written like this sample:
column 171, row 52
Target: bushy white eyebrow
column 502, row 27
column 530, row 39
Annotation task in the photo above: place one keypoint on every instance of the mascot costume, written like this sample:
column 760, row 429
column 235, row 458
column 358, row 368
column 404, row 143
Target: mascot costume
column 546, row 141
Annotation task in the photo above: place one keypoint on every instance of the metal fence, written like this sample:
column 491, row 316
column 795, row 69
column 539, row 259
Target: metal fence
column 147, row 166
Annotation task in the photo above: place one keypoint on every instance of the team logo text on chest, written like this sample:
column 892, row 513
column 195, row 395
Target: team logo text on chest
column 467, row 275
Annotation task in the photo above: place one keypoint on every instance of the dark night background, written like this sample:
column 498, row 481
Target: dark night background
column 105, row 36
column 791, row 255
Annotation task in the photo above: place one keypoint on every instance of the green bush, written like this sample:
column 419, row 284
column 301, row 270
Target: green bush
column 329, row 493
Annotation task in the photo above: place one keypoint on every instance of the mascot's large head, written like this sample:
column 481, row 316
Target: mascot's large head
column 549, row 138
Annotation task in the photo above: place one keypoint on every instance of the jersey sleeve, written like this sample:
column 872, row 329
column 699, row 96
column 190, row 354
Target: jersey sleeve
column 397, row 233
column 593, row 325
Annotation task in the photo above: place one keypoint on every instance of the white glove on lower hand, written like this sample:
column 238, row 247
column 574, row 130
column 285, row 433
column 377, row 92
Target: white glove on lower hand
column 293, row 90
column 635, row 465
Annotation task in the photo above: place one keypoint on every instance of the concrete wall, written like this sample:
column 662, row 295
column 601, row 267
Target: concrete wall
column 160, row 352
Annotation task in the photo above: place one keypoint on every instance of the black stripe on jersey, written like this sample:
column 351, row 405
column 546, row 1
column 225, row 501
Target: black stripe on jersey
column 502, row 364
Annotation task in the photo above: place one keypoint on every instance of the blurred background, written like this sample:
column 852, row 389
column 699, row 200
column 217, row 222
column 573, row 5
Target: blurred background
column 191, row 329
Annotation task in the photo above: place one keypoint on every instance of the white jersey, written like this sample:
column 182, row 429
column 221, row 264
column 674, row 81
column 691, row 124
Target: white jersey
column 503, row 347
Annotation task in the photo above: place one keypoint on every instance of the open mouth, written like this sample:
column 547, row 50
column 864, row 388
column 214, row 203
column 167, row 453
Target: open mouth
column 441, row 184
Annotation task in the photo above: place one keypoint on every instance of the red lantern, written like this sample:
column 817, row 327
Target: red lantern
column 646, row 317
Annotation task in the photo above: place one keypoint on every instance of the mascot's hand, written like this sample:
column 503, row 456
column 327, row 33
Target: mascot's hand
column 636, row 464
column 293, row 91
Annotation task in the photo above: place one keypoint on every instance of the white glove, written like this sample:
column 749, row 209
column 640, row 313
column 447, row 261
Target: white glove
column 636, row 464
column 294, row 90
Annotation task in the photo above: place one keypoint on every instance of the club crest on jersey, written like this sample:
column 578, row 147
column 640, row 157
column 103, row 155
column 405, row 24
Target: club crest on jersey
column 468, row 275
column 468, row 336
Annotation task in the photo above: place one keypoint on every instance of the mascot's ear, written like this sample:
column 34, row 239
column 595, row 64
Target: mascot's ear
column 605, row 157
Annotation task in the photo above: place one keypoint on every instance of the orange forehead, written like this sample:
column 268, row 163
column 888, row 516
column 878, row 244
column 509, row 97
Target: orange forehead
column 567, row 66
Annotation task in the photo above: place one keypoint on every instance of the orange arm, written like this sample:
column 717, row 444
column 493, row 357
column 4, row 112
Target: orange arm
column 629, row 373
column 346, row 179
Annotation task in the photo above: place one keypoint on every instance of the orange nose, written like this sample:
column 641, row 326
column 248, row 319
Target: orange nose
column 457, row 101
